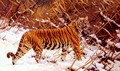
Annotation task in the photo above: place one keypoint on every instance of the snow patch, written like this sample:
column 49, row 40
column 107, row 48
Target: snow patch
column 9, row 41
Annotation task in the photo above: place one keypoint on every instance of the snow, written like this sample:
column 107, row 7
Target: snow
column 116, row 67
column 117, row 45
column 94, row 36
column 9, row 40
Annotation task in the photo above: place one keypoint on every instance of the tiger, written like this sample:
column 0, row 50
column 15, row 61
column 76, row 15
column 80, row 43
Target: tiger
column 50, row 39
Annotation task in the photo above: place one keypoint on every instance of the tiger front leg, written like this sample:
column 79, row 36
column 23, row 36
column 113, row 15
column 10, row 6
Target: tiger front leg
column 76, row 48
column 78, row 52
column 38, row 56
column 38, row 52
column 64, row 53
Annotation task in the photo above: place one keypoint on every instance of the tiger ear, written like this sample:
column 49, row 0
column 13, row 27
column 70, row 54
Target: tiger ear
column 85, row 20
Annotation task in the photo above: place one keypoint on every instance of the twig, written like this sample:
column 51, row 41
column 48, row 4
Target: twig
column 107, row 32
column 116, row 56
column 108, row 19
column 2, row 3
column 72, row 64
column 90, row 60
column 93, row 60
column 106, row 22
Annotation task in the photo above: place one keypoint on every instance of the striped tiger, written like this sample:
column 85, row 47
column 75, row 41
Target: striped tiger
column 39, row 39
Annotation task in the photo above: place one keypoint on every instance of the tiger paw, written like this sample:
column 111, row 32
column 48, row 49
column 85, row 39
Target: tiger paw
column 37, row 60
column 63, row 57
column 78, row 56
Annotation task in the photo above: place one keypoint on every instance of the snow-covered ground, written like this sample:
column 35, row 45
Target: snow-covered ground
column 9, row 40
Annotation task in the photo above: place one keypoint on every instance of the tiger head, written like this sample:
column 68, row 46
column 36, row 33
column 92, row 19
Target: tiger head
column 84, row 26
column 83, row 22
column 80, row 24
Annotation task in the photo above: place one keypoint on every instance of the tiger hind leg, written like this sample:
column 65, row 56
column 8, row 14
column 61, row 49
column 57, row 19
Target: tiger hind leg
column 22, row 50
column 76, row 49
column 64, row 53
column 38, row 52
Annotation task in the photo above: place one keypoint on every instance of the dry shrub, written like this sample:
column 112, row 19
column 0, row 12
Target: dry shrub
column 8, row 8
column 58, row 13
column 32, row 11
